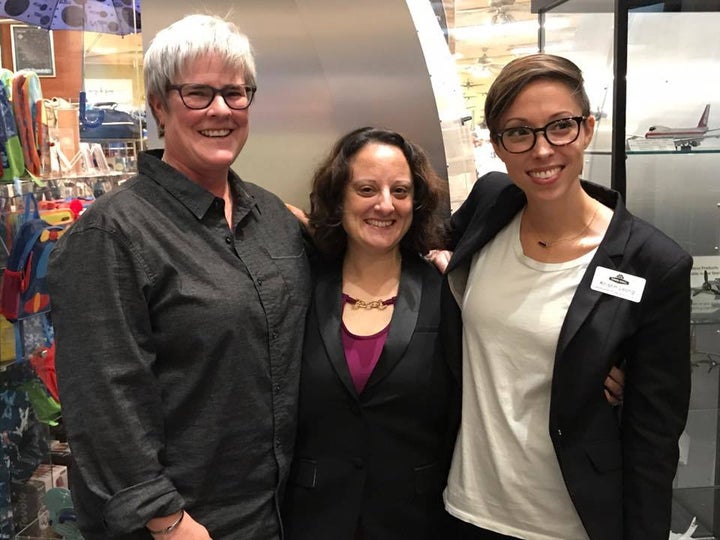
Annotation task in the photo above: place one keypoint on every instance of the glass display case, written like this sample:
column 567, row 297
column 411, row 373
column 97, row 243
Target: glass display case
column 673, row 155
column 658, row 143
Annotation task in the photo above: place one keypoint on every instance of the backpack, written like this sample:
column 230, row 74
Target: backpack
column 24, row 296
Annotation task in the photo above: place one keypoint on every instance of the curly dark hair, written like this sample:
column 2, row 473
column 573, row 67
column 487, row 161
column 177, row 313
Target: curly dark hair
column 334, row 174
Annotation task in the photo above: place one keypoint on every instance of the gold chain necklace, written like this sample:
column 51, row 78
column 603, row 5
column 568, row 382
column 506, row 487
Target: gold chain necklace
column 546, row 244
column 370, row 304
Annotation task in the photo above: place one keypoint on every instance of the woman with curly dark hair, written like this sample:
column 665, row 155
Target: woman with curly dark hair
column 376, row 395
column 333, row 175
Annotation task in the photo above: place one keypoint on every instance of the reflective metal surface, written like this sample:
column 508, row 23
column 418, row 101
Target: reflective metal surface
column 324, row 67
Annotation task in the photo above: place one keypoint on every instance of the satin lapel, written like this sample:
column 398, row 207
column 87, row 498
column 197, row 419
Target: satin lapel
column 609, row 254
column 328, row 307
column 485, row 225
column 402, row 324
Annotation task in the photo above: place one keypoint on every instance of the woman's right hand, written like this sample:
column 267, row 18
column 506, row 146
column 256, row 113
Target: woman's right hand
column 614, row 386
column 187, row 529
column 440, row 258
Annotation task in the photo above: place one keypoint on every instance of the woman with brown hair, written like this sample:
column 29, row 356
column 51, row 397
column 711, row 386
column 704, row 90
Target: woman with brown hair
column 376, row 395
column 556, row 282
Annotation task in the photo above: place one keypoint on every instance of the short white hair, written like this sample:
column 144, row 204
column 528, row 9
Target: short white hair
column 192, row 37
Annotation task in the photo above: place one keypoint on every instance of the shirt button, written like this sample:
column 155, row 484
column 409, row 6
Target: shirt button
column 228, row 239
column 277, row 388
column 260, row 282
column 274, row 335
column 278, row 444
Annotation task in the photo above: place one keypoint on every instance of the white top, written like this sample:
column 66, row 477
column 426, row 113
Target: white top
column 505, row 476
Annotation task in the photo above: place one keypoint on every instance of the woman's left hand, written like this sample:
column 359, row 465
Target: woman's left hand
column 299, row 213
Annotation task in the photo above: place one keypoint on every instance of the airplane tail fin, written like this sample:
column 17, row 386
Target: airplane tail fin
column 704, row 118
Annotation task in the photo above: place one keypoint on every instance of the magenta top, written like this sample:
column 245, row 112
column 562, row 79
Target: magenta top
column 362, row 352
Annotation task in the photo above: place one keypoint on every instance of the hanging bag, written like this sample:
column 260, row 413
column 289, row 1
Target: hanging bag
column 24, row 297
column 23, row 105
column 11, row 152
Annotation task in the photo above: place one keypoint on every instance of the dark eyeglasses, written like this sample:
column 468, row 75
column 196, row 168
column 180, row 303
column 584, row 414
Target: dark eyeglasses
column 561, row 132
column 200, row 96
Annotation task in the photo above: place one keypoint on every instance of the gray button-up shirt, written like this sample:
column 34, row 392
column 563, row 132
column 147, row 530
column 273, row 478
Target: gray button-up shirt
column 178, row 354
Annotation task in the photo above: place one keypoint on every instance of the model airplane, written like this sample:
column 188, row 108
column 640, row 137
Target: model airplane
column 711, row 286
column 685, row 138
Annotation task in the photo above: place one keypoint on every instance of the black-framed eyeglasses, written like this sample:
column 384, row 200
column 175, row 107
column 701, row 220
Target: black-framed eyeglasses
column 561, row 132
column 200, row 96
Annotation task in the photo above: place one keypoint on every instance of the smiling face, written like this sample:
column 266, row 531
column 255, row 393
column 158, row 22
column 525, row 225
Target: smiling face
column 546, row 171
column 378, row 201
column 202, row 144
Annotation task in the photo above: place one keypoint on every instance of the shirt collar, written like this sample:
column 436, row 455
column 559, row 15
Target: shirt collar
column 196, row 198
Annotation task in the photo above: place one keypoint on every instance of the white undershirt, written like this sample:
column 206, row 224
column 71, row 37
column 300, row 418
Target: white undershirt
column 505, row 476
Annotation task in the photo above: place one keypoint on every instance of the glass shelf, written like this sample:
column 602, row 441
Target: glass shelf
column 674, row 152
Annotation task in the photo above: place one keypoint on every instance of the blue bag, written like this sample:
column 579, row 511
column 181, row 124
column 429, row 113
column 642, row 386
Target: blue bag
column 24, row 297
column 116, row 124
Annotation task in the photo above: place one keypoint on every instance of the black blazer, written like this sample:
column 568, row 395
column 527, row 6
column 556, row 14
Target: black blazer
column 379, row 459
column 619, row 475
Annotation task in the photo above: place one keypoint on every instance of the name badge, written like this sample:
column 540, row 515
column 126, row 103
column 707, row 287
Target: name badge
column 618, row 284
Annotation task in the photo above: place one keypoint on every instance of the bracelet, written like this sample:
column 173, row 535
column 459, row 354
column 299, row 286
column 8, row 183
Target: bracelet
column 170, row 528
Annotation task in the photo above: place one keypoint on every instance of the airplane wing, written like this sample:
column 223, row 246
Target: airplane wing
column 697, row 138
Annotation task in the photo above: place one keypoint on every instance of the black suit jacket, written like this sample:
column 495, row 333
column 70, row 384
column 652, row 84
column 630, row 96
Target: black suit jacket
column 619, row 475
column 379, row 459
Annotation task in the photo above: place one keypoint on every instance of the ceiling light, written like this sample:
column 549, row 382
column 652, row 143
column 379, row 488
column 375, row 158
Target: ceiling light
column 480, row 71
column 485, row 32
column 557, row 47
column 522, row 51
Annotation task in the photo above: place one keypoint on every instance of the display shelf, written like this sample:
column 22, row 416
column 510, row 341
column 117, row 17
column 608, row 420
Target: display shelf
column 37, row 530
column 122, row 154
column 677, row 152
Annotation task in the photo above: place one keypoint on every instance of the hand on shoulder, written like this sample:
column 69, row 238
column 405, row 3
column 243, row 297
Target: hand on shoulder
column 440, row 258
column 299, row 213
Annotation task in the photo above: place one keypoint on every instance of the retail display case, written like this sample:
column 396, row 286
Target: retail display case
column 87, row 118
column 34, row 455
column 658, row 143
